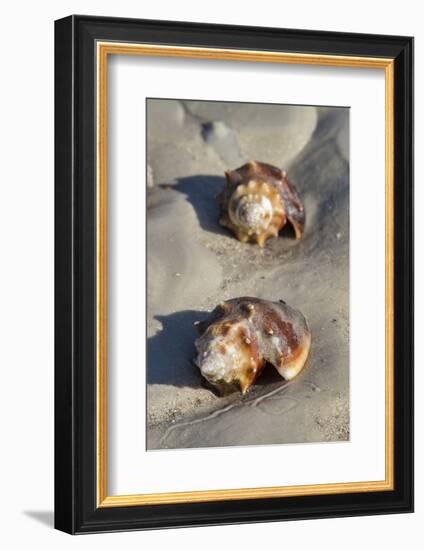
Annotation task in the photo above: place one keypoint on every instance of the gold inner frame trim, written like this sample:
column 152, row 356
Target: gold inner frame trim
column 119, row 48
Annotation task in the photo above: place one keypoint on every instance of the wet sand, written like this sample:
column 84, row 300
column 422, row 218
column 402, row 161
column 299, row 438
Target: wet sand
column 194, row 263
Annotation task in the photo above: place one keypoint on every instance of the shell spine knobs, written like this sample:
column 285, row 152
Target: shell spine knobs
column 257, row 202
column 242, row 335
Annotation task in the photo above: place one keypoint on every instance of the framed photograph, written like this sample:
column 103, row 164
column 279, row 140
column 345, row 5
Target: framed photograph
column 234, row 274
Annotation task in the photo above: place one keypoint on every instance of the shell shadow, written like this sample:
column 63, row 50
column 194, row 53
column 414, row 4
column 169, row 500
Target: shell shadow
column 170, row 352
column 201, row 191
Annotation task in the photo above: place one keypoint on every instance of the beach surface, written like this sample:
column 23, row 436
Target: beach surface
column 194, row 263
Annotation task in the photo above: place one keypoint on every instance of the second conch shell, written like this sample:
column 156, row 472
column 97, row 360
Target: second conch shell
column 258, row 200
column 242, row 335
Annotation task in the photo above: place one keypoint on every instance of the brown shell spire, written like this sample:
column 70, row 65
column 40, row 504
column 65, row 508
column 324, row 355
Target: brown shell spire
column 242, row 335
column 257, row 201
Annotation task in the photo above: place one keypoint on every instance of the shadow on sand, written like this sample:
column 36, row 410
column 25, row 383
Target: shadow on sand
column 201, row 191
column 170, row 352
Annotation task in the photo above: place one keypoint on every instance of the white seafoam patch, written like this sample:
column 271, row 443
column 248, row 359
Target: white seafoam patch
column 363, row 457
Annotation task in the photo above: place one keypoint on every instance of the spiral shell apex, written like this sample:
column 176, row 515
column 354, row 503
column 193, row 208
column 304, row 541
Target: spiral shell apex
column 242, row 335
column 257, row 201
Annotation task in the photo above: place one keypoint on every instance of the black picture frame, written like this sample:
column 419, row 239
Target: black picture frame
column 76, row 509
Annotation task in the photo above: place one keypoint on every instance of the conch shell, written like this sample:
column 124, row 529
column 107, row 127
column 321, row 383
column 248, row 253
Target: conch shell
column 257, row 201
column 242, row 335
